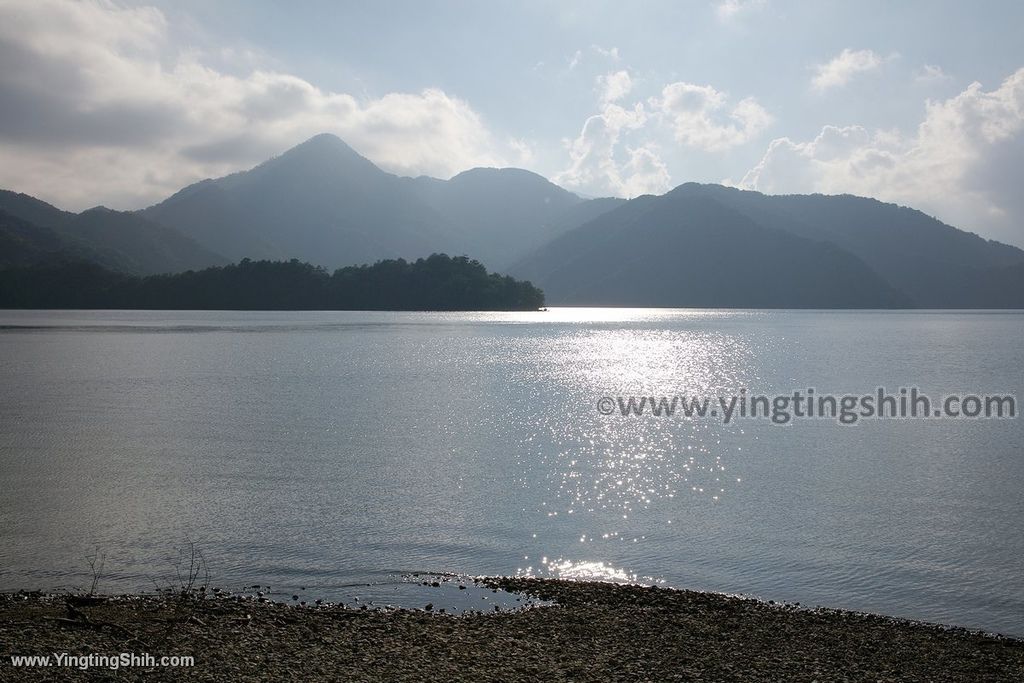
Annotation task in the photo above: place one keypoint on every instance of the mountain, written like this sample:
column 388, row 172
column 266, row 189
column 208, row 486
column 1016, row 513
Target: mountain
column 122, row 241
column 698, row 245
column 34, row 211
column 319, row 201
column 709, row 245
column 435, row 283
column 681, row 250
column 24, row 244
column 323, row 202
column 936, row 265
column 501, row 214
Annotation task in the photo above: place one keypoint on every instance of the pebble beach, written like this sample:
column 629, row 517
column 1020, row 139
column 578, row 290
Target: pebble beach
column 588, row 632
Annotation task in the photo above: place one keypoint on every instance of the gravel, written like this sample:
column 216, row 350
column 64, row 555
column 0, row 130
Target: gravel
column 594, row 632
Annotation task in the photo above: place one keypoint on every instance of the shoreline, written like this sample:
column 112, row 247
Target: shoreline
column 592, row 631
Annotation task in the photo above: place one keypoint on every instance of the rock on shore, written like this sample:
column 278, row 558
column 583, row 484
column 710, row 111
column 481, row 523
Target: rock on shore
column 595, row 632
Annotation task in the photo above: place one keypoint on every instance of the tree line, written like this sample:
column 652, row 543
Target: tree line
column 436, row 283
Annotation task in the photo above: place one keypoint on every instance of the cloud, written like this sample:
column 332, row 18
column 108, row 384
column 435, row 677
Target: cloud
column 843, row 67
column 611, row 53
column 728, row 10
column 617, row 149
column 929, row 74
column 99, row 106
column 962, row 163
column 575, row 60
column 523, row 149
column 700, row 116
column 614, row 86
column 593, row 155
column 644, row 172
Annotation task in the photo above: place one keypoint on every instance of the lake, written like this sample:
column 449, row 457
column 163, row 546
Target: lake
column 325, row 451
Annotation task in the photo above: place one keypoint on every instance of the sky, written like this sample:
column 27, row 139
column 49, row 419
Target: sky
column 919, row 103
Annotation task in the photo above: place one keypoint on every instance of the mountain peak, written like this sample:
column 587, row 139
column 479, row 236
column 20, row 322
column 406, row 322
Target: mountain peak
column 323, row 144
column 482, row 177
column 493, row 171
column 323, row 155
column 325, row 140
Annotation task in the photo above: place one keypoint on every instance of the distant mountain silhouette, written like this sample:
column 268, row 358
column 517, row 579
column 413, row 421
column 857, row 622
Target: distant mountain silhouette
column 501, row 214
column 323, row 202
column 709, row 245
column 119, row 240
column 698, row 245
column 935, row 264
column 688, row 251
column 23, row 243
column 319, row 201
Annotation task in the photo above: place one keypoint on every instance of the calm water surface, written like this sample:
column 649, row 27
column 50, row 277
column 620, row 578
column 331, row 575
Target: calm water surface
column 323, row 450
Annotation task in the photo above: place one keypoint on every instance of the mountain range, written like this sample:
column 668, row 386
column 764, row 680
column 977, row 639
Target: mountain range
column 322, row 202
column 695, row 246
column 32, row 231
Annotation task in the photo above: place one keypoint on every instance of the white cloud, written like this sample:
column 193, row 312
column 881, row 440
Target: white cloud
column 962, row 163
column 595, row 159
column 574, row 61
column 523, row 149
column 98, row 106
column 930, row 74
column 611, row 53
column 617, row 150
column 614, row 86
column 700, row 116
column 727, row 10
column 644, row 172
column 848, row 63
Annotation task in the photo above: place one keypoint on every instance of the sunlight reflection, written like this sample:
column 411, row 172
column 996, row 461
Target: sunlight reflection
column 572, row 314
column 582, row 570
column 602, row 481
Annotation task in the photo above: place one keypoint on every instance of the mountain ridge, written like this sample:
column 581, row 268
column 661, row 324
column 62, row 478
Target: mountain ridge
column 648, row 252
column 345, row 209
column 119, row 240
column 324, row 203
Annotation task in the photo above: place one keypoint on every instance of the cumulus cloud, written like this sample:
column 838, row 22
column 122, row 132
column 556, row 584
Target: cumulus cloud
column 961, row 164
column 700, row 116
column 595, row 163
column 617, row 150
column 99, row 106
column 644, row 172
column 840, row 69
column 614, row 86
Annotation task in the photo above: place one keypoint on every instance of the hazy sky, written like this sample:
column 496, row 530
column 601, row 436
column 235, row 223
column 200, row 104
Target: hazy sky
column 920, row 103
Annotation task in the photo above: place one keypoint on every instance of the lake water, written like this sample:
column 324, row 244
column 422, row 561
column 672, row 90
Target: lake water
column 323, row 450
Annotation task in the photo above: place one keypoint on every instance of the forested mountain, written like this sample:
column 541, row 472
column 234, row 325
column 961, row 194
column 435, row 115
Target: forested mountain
column 319, row 201
column 119, row 240
column 436, row 283
column 688, row 251
column 709, row 245
column 935, row 264
column 24, row 243
column 697, row 245
column 323, row 202
column 501, row 214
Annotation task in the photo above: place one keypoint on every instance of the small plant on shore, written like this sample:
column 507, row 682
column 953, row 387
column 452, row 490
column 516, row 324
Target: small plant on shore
column 96, row 562
column 193, row 578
